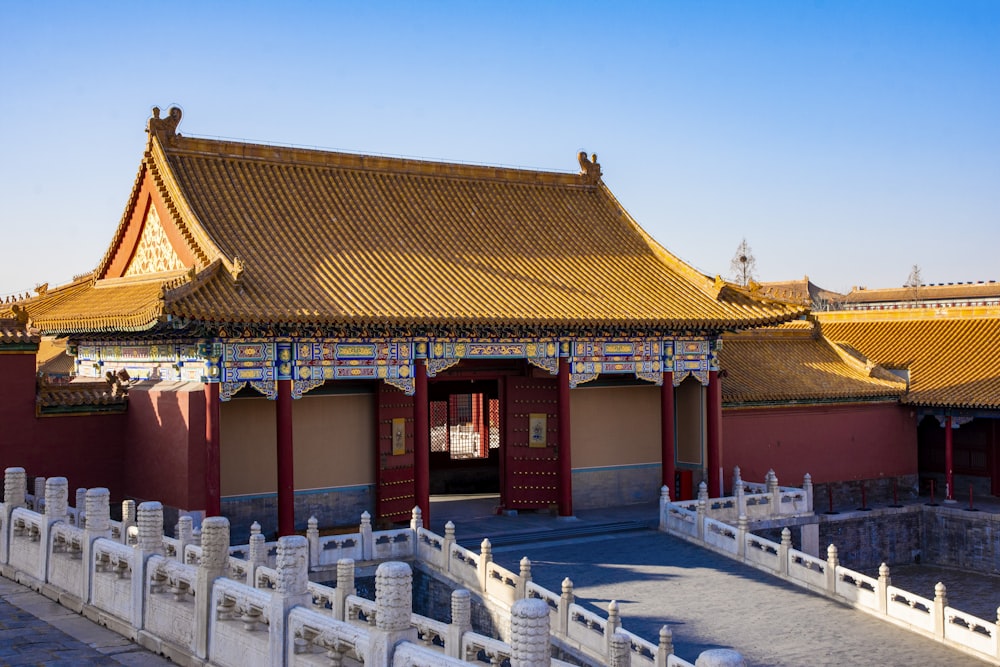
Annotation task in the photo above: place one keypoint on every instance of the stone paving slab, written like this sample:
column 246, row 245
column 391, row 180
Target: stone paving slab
column 36, row 631
column 710, row 601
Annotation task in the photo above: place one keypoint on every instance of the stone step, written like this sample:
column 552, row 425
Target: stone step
column 571, row 530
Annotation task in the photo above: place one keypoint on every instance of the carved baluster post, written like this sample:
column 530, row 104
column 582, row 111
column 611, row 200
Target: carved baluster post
column 807, row 487
column 485, row 558
column 256, row 557
column 15, row 488
column 345, row 587
column 784, row 551
column 461, row 622
column 702, row 510
column 56, row 498
column 775, row 491
column 367, row 545
column 393, row 612
column 81, row 507
column 741, row 537
column 666, row 647
column 56, row 511
column 446, row 545
column 98, row 526
column 312, row 535
column 565, row 600
column 832, row 562
column 39, row 505
column 664, row 501
column 184, row 535
column 291, row 590
column 940, row 602
column 149, row 542
column 740, row 492
column 882, row 591
column 523, row 578
column 416, row 520
column 621, row 650
column 214, row 565
column 614, row 624
column 530, row 642
column 128, row 518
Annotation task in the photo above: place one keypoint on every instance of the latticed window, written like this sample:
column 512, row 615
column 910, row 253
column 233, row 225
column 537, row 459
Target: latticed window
column 466, row 426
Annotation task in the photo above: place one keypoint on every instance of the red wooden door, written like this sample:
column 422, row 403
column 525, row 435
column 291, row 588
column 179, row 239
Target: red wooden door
column 531, row 461
column 395, row 491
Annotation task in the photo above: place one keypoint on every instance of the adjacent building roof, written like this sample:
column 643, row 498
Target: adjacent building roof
column 52, row 360
column 15, row 336
column 79, row 397
column 793, row 363
column 803, row 292
column 952, row 355
column 925, row 296
column 237, row 233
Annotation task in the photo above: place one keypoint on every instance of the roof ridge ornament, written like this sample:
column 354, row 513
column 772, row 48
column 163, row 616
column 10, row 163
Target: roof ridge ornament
column 237, row 269
column 164, row 127
column 589, row 169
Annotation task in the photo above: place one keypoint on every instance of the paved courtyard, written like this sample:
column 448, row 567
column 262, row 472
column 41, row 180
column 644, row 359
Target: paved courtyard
column 710, row 601
column 36, row 631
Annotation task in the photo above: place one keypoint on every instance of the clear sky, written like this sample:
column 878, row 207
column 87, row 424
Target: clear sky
column 844, row 140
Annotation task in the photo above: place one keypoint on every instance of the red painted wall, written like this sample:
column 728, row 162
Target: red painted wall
column 830, row 442
column 165, row 456
column 86, row 449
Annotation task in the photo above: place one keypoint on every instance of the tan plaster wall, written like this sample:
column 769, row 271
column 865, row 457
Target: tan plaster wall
column 247, row 434
column 689, row 419
column 615, row 425
column 333, row 438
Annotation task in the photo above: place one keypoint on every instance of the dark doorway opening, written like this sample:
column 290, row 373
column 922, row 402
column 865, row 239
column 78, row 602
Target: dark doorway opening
column 465, row 437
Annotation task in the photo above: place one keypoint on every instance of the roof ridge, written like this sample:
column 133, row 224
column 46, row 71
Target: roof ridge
column 918, row 314
column 320, row 158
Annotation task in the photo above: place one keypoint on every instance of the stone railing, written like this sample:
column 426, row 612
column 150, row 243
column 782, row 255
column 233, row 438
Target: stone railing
column 194, row 600
column 929, row 617
column 754, row 500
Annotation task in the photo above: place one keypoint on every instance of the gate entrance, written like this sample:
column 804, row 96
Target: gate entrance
column 465, row 437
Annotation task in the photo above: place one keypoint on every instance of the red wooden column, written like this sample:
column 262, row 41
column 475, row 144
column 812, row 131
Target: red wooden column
column 714, row 444
column 949, row 472
column 479, row 425
column 286, row 460
column 667, row 452
column 565, row 463
column 421, row 441
column 213, row 466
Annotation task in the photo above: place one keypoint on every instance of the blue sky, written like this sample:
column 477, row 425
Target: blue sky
column 844, row 140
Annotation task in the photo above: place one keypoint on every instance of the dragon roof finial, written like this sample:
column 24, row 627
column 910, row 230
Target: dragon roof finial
column 164, row 127
column 589, row 169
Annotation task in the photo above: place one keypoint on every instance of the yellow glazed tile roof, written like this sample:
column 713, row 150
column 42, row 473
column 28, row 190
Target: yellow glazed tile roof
column 13, row 333
column 77, row 396
column 951, row 291
column 794, row 363
column 287, row 235
column 110, row 306
column 953, row 355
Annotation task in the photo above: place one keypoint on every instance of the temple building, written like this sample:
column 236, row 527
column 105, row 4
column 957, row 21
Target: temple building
column 306, row 332
column 800, row 403
column 949, row 356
